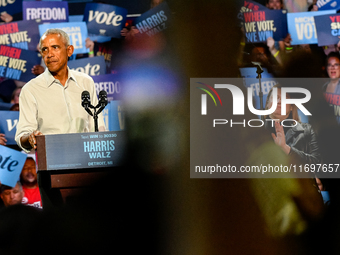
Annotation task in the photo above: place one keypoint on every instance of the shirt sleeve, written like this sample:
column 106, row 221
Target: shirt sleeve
column 27, row 116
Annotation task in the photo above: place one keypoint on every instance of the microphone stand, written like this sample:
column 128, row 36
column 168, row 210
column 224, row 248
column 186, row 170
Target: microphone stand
column 259, row 70
column 95, row 117
column 101, row 105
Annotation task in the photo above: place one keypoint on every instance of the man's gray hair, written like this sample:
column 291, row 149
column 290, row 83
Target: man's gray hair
column 58, row 31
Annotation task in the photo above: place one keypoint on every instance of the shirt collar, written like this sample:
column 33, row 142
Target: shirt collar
column 50, row 79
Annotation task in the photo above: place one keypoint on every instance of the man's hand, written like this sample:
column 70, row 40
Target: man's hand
column 6, row 17
column 89, row 44
column 280, row 138
column 37, row 69
column 29, row 141
column 3, row 139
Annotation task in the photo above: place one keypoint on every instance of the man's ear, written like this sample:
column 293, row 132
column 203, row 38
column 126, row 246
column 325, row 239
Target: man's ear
column 70, row 50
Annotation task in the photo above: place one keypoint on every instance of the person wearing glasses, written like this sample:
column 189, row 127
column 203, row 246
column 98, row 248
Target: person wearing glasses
column 333, row 71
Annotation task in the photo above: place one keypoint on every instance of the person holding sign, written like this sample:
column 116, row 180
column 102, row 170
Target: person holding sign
column 51, row 102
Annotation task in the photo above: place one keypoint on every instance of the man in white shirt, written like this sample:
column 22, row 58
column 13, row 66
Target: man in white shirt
column 51, row 102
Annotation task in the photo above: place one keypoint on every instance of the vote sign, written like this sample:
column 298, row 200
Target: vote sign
column 11, row 164
column 105, row 19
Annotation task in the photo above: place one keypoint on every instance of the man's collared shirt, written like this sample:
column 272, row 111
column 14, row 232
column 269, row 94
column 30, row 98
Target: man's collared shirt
column 48, row 106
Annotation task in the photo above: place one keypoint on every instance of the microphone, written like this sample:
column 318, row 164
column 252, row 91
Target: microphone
column 258, row 64
column 85, row 101
column 102, row 100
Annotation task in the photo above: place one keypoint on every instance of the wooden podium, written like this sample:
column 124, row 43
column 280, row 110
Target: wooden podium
column 69, row 163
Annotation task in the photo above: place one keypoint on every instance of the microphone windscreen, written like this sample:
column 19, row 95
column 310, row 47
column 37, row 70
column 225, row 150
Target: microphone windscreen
column 85, row 94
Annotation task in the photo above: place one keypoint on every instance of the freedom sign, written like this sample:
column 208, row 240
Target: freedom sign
column 109, row 83
column 11, row 164
column 21, row 34
column 17, row 63
column 155, row 20
column 77, row 31
column 104, row 19
column 260, row 25
column 91, row 66
column 301, row 26
column 328, row 29
column 47, row 12
column 8, row 125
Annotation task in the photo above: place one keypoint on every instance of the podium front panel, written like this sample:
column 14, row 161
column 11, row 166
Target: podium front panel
column 80, row 150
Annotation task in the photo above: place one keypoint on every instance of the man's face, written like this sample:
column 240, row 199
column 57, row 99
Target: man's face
column 28, row 173
column 258, row 54
column 274, row 4
column 55, row 53
column 12, row 196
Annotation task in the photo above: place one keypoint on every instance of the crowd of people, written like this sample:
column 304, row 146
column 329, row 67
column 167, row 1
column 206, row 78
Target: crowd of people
column 279, row 57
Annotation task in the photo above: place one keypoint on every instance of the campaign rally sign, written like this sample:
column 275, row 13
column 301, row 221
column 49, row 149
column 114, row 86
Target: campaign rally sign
column 21, row 34
column 109, row 83
column 334, row 101
column 248, row 6
column 260, row 25
column 17, row 63
column 105, row 19
column 114, row 117
column 327, row 29
column 11, row 164
column 266, row 85
column 8, row 125
column 155, row 20
column 328, row 5
column 77, row 31
column 91, row 66
column 11, row 6
column 301, row 26
column 47, row 12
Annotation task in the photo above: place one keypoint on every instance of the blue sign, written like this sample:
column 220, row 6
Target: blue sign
column 91, row 66
column 47, row 12
column 260, row 25
column 114, row 117
column 301, row 26
column 77, row 31
column 8, row 125
column 11, row 164
column 328, row 5
column 109, row 83
column 17, row 63
column 155, row 20
column 11, row 6
column 105, row 19
column 328, row 29
column 21, row 34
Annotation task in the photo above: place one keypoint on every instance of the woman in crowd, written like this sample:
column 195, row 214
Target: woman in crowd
column 333, row 71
